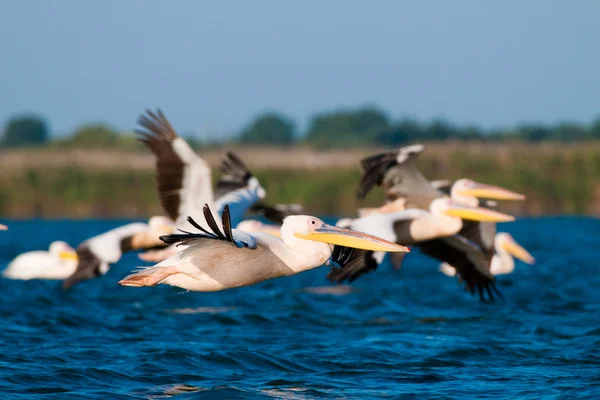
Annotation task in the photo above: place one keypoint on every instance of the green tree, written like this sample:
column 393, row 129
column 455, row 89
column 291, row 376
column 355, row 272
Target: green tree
column 27, row 130
column 96, row 135
column 347, row 128
column 269, row 128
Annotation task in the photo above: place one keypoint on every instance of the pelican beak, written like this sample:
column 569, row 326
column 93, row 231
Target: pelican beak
column 482, row 191
column 67, row 255
column 3, row 227
column 348, row 238
column 513, row 248
column 477, row 214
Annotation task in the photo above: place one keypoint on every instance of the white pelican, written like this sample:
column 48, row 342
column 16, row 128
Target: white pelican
column 3, row 227
column 225, row 259
column 184, row 179
column 95, row 255
column 506, row 248
column 248, row 226
column 59, row 262
column 419, row 227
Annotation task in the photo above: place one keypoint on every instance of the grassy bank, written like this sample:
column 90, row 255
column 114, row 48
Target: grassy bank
column 557, row 178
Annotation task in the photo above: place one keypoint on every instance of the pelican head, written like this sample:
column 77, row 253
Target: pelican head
column 62, row 250
column 468, row 192
column 451, row 208
column 299, row 230
column 505, row 242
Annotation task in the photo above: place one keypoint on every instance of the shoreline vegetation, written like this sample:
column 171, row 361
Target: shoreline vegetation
column 77, row 182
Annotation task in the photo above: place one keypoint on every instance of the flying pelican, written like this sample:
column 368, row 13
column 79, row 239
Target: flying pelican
column 229, row 258
column 96, row 254
column 248, row 226
column 184, row 182
column 506, row 247
column 406, row 187
column 3, row 227
column 184, row 179
column 59, row 262
column 397, row 173
column 443, row 221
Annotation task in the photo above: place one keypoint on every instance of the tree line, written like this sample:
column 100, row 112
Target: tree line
column 367, row 126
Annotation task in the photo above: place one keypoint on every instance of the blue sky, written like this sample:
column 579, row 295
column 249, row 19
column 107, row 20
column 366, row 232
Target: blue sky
column 212, row 66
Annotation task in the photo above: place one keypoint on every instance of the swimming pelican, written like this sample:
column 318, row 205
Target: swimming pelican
column 59, row 262
column 506, row 247
column 443, row 221
column 229, row 258
column 96, row 254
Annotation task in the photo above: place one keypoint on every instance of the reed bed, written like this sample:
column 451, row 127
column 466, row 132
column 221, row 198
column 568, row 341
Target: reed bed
column 53, row 183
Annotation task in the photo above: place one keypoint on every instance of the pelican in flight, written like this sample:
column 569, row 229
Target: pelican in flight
column 228, row 258
column 184, row 179
column 95, row 255
column 184, row 182
column 3, row 227
column 59, row 262
column 418, row 227
column 396, row 171
column 248, row 226
column 506, row 247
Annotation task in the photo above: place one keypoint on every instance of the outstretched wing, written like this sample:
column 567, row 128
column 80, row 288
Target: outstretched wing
column 238, row 188
column 277, row 212
column 183, row 178
column 234, row 236
column 397, row 173
column 353, row 264
column 468, row 260
column 88, row 267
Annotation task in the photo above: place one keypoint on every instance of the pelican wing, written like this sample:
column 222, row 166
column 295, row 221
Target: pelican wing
column 467, row 258
column 277, row 212
column 183, row 178
column 236, row 237
column 238, row 188
column 396, row 171
column 353, row 264
column 88, row 267
column 482, row 234
column 95, row 254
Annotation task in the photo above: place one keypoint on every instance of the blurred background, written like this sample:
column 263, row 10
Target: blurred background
column 505, row 93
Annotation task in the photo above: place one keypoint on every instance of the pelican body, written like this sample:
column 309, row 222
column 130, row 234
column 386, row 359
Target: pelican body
column 232, row 258
column 96, row 254
column 59, row 262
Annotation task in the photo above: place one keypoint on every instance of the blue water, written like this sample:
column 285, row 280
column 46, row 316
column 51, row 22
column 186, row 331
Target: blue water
column 393, row 334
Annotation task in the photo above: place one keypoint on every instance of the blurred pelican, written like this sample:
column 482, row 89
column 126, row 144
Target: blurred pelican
column 95, row 255
column 396, row 171
column 506, row 247
column 3, row 227
column 229, row 258
column 59, row 262
column 184, row 179
column 442, row 222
